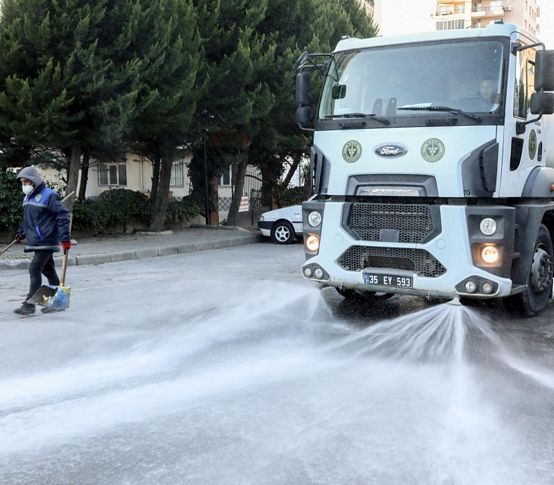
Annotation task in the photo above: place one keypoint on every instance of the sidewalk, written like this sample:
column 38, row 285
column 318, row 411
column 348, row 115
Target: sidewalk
column 100, row 250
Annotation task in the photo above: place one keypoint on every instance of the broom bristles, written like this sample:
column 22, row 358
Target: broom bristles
column 60, row 300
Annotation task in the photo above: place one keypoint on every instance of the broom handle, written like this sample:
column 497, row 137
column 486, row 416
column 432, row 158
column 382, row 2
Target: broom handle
column 64, row 266
column 8, row 247
column 66, row 252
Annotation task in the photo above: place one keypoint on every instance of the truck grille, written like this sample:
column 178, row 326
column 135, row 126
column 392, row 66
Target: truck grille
column 356, row 258
column 405, row 223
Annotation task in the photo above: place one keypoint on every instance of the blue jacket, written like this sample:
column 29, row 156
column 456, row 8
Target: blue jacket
column 45, row 220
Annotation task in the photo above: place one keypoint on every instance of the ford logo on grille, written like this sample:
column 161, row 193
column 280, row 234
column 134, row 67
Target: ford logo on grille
column 391, row 150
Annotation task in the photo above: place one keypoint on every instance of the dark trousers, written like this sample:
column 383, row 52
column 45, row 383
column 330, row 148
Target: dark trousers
column 42, row 264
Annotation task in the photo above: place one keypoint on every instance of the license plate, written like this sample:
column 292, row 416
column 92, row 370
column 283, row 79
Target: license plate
column 394, row 281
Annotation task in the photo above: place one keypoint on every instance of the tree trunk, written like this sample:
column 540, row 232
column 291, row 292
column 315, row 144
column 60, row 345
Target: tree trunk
column 155, row 178
column 213, row 183
column 84, row 176
column 232, row 217
column 162, row 194
column 73, row 175
column 269, row 180
column 292, row 169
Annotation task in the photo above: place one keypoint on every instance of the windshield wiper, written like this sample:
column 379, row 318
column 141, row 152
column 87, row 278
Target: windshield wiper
column 446, row 109
column 372, row 116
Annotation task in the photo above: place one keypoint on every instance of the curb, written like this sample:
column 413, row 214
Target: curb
column 153, row 252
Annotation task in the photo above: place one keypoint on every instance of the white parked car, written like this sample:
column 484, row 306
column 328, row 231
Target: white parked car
column 282, row 225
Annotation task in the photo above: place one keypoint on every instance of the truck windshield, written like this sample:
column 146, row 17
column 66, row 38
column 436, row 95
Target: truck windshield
column 415, row 80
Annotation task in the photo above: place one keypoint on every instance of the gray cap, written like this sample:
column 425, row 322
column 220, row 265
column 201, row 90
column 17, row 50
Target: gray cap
column 32, row 174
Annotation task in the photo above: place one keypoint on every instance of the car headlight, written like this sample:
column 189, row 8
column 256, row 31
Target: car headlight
column 314, row 218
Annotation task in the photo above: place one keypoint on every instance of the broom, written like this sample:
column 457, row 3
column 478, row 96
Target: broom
column 60, row 300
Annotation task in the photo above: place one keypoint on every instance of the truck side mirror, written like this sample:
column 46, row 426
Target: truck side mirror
column 304, row 118
column 542, row 103
column 544, row 70
column 303, row 89
column 303, row 111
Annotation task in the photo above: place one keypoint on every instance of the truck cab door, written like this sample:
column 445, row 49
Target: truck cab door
column 523, row 144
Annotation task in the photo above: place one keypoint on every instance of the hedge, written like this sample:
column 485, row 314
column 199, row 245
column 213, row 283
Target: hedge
column 111, row 212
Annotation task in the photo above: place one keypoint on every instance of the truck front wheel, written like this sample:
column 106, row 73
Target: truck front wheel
column 534, row 299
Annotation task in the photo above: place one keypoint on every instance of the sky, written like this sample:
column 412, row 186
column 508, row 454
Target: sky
column 546, row 21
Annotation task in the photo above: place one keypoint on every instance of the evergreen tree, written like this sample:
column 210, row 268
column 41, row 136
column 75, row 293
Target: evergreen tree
column 295, row 26
column 170, row 49
column 65, row 80
column 235, row 95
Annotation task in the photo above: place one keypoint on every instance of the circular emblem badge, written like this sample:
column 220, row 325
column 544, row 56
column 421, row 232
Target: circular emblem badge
column 352, row 151
column 37, row 197
column 532, row 144
column 432, row 150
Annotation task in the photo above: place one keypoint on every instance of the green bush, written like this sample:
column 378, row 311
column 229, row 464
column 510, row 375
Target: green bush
column 111, row 211
column 116, row 210
column 10, row 202
column 179, row 211
column 290, row 195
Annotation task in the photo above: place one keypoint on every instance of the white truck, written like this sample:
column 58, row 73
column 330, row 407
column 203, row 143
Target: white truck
column 433, row 166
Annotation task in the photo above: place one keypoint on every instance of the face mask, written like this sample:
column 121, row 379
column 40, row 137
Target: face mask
column 27, row 189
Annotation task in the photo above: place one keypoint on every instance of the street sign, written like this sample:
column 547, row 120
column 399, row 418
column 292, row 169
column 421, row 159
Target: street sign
column 244, row 205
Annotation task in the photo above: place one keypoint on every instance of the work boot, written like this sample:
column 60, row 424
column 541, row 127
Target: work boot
column 25, row 309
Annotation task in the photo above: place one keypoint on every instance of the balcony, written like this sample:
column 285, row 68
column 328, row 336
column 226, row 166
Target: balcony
column 480, row 12
column 445, row 11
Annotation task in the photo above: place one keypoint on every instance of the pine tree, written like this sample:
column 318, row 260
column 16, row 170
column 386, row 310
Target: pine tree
column 235, row 96
column 169, row 47
column 295, row 26
column 65, row 81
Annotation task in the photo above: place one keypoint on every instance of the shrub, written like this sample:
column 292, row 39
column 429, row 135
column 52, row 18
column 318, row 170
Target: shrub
column 10, row 202
column 110, row 211
column 179, row 211
column 290, row 195
column 116, row 210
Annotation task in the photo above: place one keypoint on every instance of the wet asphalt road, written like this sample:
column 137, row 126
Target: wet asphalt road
column 227, row 367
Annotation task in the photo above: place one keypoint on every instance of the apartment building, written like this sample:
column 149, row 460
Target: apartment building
column 462, row 14
column 409, row 16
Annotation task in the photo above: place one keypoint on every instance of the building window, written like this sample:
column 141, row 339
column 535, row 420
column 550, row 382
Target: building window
column 178, row 174
column 114, row 173
column 226, row 177
column 450, row 24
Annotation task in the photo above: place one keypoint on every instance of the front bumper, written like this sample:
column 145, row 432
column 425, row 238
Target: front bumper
column 265, row 227
column 439, row 266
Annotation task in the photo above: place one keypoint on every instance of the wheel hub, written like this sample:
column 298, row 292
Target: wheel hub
column 282, row 234
column 541, row 270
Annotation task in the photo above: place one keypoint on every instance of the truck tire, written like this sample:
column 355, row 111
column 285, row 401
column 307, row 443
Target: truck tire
column 534, row 299
column 282, row 232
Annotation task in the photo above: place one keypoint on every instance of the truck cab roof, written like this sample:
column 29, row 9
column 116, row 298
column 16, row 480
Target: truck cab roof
column 493, row 30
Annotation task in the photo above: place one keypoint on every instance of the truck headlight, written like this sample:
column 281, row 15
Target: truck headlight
column 488, row 226
column 312, row 243
column 314, row 218
column 490, row 254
